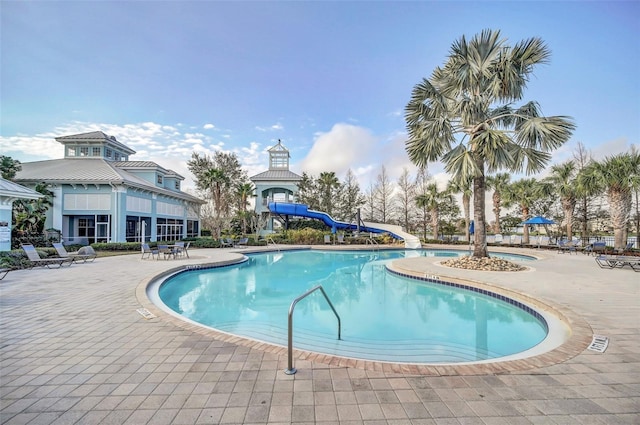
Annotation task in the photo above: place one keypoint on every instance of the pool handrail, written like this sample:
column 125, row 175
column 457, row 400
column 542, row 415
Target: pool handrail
column 290, row 369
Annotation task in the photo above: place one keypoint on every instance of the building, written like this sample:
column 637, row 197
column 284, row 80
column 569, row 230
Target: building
column 10, row 192
column 277, row 184
column 101, row 196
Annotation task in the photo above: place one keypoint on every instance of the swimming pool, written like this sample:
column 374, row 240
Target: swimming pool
column 385, row 316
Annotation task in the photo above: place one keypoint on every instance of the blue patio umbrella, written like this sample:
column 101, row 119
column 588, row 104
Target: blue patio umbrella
column 539, row 220
column 472, row 228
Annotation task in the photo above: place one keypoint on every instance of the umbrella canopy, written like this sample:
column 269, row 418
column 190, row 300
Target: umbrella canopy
column 539, row 220
column 472, row 228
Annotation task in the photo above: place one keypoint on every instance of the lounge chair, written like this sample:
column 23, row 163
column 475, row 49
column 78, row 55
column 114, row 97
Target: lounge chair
column 149, row 252
column 84, row 254
column 497, row 239
column 596, row 248
column 618, row 261
column 568, row 246
column 242, row 243
column 627, row 248
column 341, row 238
column 327, row 239
column 36, row 260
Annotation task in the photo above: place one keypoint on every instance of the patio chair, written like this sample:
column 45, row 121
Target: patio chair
column 226, row 243
column 182, row 249
column 149, row 252
column 86, row 253
column 242, row 243
column 36, row 260
column 341, row 238
column 167, row 251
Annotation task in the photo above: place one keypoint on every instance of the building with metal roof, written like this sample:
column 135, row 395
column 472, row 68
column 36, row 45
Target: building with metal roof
column 101, row 196
column 9, row 192
column 277, row 184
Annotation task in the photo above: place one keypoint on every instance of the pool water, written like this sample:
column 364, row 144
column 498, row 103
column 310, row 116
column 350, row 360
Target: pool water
column 385, row 317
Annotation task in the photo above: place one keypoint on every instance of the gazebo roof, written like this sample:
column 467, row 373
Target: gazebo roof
column 10, row 191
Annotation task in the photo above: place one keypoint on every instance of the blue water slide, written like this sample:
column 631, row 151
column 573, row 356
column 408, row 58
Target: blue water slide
column 302, row 210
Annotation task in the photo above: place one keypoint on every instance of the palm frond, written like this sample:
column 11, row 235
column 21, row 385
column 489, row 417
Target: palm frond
column 544, row 133
column 493, row 146
column 460, row 163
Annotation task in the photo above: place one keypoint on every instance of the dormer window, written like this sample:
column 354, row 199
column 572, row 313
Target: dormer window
column 177, row 185
column 84, row 151
column 108, row 153
column 71, row 151
column 159, row 179
column 95, row 151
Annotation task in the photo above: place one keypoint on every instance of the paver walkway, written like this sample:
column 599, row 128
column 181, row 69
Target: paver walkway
column 73, row 350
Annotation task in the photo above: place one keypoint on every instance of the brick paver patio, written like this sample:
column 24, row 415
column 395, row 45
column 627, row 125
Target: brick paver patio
column 73, row 350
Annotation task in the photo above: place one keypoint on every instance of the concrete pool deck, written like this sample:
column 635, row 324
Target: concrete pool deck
column 74, row 350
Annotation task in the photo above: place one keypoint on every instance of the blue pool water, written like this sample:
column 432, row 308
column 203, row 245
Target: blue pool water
column 385, row 317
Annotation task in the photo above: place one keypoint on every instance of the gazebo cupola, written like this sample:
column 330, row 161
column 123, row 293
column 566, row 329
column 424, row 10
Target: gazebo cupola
column 279, row 157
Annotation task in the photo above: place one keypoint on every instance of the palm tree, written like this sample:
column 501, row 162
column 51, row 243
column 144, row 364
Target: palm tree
column 562, row 182
column 431, row 200
column 524, row 193
column 464, row 188
column 216, row 180
column 9, row 167
column 463, row 115
column 616, row 176
column 243, row 192
column 497, row 182
column 328, row 183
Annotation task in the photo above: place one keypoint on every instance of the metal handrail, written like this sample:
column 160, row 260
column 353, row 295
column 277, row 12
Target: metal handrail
column 373, row 242
column 290, row 369
column 273, row 243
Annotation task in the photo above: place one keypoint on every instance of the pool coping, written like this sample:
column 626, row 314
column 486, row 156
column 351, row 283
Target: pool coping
column 579, row 339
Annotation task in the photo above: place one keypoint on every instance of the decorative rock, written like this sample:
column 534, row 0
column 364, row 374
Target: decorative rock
column 484, row 264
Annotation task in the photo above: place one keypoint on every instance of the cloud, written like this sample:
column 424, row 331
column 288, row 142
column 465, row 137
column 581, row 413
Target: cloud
column 274, row 127
column 208, row 126
column 347, row 146
column 170, row 146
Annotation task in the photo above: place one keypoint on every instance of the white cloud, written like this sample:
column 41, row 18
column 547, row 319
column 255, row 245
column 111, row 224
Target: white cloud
column 208, row 126
column 274, row 127
column 169, row 146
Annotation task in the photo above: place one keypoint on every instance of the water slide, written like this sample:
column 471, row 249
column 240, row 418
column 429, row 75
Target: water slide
column 302, row 210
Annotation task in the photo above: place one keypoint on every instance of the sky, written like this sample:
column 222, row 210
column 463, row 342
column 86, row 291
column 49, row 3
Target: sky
column 329, row 79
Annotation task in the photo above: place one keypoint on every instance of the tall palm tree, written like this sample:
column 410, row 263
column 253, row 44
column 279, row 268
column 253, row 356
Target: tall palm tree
column 243, row 192
column 216, row 180
column 562, row 181
column 524, row 193
column 464, row 188
column 497, row 182
column 463, row 115
column 431, row 200
column 616, row 176
column 328, row 183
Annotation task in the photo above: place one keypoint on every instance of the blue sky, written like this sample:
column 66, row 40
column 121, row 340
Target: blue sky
column 331, row 79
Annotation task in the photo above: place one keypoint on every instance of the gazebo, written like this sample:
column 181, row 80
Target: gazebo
column 9, row 192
